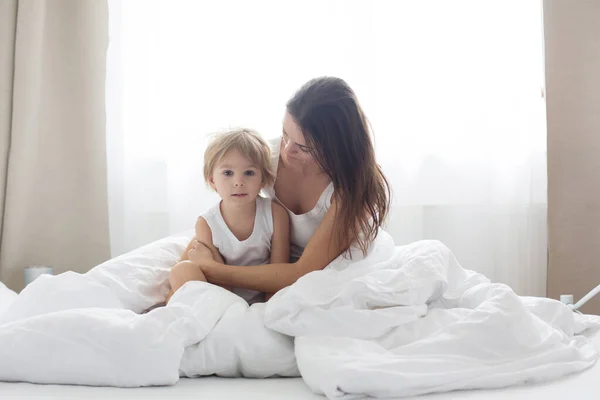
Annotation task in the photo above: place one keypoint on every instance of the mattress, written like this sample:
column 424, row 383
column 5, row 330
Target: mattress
column 583, row 386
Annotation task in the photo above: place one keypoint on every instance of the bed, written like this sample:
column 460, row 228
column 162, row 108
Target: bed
column 581, row 386
column 399, row 322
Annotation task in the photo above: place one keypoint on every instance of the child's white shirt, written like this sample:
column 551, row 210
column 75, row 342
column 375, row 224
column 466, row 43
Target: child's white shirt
column 255, row 250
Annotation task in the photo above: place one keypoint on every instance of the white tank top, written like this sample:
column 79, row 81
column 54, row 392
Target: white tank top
column 302, row 226
column 255, row 250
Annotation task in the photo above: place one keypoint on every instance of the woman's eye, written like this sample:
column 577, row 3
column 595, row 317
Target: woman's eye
column 249, row 173
column 304, row 150
column 228, row 173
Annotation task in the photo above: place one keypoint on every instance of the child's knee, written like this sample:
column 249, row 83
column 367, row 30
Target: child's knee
column 179, row 273
column 183, row 272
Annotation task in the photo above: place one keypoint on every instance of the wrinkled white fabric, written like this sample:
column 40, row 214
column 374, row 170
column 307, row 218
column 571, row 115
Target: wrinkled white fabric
column 400, row 321
column 90, row 329
column 7, row 296
column 409, row 320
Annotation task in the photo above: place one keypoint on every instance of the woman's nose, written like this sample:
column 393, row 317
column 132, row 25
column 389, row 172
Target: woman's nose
column 289, row 148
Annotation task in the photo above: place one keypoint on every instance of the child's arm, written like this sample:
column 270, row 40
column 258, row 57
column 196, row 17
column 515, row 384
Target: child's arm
column 204, row 236
column 280, row 242
column 184, row 256
column 181, row 274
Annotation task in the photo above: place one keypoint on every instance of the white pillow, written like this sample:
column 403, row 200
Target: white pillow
column 7, row 296
column 140, row 278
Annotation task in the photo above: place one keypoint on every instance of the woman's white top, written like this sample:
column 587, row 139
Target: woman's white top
column 255, row 250
column 302, row 226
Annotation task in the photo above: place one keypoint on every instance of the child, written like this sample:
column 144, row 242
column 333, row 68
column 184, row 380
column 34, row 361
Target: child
column 243, row 228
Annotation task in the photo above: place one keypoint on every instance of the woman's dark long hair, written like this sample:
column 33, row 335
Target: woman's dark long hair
column 336, row 129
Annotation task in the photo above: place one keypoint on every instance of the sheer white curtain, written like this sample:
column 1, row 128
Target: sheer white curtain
column 453, row 91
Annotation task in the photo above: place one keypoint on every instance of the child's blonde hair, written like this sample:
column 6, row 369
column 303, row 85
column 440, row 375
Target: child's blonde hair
column 246, row 141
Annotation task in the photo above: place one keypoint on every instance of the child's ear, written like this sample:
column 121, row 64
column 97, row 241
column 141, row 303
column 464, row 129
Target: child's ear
column 263, row 184
column 211, row 183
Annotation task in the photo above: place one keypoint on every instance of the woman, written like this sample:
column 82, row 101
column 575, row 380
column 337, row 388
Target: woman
column 327, row 178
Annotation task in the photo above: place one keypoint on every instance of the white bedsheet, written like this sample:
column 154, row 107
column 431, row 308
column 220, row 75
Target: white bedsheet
column 402, row 321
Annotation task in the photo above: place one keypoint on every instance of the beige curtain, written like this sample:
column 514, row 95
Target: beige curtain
column 572, row 41
column 53, row 194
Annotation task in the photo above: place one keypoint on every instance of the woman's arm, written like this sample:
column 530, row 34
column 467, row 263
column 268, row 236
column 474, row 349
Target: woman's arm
column 270, row 278
column 280, row 242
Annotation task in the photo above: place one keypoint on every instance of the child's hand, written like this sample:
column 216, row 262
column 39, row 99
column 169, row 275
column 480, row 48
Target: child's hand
column 200, row 253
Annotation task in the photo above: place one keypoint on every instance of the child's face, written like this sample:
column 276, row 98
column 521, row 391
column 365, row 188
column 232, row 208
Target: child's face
column 236, row 179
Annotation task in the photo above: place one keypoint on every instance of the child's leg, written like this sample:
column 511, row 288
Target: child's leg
column 182, row 272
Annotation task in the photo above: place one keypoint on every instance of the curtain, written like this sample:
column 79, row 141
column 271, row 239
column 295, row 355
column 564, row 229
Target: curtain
column 572, row 53
column 453, row 90
column 53, row 190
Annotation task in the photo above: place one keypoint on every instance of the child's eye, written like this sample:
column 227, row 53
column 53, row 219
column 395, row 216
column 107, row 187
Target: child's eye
column 227, row 173
column 249, row 173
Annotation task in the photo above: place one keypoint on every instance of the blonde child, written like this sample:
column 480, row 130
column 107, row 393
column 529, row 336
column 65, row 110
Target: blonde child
column 243, row 228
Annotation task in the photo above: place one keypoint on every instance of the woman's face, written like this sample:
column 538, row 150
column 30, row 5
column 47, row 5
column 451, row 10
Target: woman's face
column 294, row 150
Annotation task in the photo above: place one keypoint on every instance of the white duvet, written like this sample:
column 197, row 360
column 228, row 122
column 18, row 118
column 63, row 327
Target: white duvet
column 404, row 320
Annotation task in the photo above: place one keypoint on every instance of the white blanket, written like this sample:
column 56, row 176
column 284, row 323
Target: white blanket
column 7, row 297
column 409, row 320
column 402, row 321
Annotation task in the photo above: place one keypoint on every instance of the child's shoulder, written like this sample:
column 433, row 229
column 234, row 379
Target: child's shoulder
column 209, row 217
column 211, row 211
column 267, row 201
column 208, row 221
column 274, row 205
column 278, row 211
